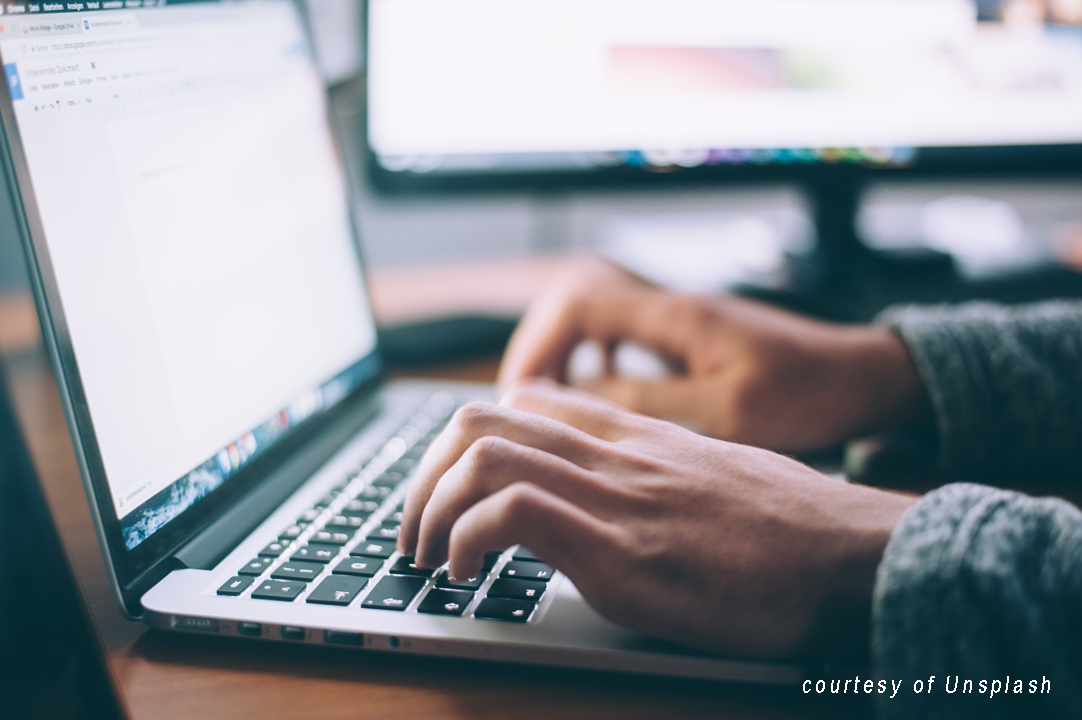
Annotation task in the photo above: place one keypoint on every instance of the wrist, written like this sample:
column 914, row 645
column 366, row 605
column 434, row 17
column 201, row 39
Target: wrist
column 884, row 377
column 841, row 628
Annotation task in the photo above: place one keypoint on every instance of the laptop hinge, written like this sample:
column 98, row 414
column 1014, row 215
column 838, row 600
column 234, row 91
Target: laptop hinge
column 213, row 543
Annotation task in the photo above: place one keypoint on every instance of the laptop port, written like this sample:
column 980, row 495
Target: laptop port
column 194, row 623
column 293, row 633
column 250, row 629
column 337, row 637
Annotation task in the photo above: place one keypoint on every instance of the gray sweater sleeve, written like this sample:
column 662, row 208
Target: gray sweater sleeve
column 1005, row 383
column 981, row 584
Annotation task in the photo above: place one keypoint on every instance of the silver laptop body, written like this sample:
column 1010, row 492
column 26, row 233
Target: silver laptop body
column 187, row 221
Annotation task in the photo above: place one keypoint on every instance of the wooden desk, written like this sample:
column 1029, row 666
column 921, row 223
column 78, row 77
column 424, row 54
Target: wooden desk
column 164, row 675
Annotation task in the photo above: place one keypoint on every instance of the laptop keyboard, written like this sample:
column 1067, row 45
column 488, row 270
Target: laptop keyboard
column 341, row 551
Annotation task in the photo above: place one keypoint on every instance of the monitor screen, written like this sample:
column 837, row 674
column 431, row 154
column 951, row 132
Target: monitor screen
column 195, row 216
column 490, row 86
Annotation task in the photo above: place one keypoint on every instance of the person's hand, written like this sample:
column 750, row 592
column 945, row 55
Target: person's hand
column 749, row 372
column 719, row 546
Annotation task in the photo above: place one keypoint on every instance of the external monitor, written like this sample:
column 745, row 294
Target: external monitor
column 562, row 94
column 461, row 92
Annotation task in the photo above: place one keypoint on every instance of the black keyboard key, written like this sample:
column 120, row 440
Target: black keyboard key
column 256, row 566
column 297, row 570
column 403, row 466
column 520, row 589
column 405, row 566
column 388, row 532
column 360, row 507
column 417, row 451
column 472, row 583
column 524, row 553
column 332, row 537
column 445, row 602
column 500, row 609
column 291, row 533
column 374, row 548
column 273, row 550
column 278, row 590
column 345, row 523
column 527, row 570
column 315, row 552
column 359, row 566
column 369, row 492
column 235, row 586
column 388, row 480
column 490, row 561
column 393, row 593
column 309, row 516
column 337, row 590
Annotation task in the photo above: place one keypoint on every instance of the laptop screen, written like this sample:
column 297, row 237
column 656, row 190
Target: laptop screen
column 195, row 214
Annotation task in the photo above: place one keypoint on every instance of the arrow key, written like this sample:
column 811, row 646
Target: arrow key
column 500, row 609
column 278, row 590
column 337, row 590
column 445, row 602
column 393, row 592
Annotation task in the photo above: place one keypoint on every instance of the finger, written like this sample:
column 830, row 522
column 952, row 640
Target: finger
column 490, row 465
column 581, row 410
column 477, row 420
column 542, row 343
column 562, row 534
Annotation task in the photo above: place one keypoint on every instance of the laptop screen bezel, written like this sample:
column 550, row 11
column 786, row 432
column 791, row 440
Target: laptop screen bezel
column 133, row 571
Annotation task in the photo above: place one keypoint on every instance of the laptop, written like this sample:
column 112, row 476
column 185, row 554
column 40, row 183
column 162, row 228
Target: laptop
column 187, row 220
column 48, row 669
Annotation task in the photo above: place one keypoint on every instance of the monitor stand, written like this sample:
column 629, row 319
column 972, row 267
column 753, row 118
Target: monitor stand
column 844, row 279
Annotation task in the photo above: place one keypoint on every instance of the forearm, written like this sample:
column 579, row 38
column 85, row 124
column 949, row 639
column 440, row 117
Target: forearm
column 1004, row 383
column 981, row 584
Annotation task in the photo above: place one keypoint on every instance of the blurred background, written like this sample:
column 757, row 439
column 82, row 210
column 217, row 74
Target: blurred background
column 698, row 236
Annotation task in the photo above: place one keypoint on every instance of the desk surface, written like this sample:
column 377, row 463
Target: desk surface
column 164, row 675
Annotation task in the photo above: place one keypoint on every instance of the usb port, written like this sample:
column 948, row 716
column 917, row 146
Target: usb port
column 250, row 629
column 293, row 633
column 337, row 637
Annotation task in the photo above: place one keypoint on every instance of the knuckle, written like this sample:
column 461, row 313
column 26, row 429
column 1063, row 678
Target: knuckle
column 519, row 499
column 473, row 415
column 694, row 314
column 486, row 453
column 568, row 307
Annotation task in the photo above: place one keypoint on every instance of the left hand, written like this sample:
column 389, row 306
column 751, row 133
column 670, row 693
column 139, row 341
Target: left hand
column 724, row 547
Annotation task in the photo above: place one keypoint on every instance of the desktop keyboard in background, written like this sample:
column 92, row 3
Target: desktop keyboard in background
column 343, row 547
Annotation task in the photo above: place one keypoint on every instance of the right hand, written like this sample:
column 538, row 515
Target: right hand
column 752, row 374
column 720, row 546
